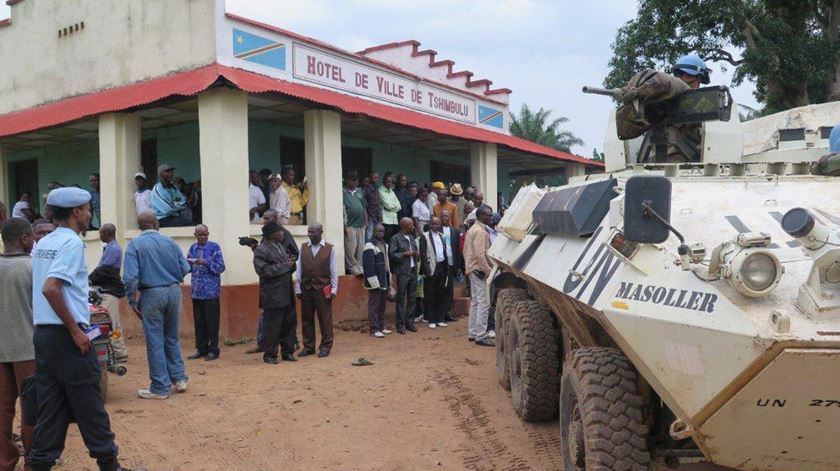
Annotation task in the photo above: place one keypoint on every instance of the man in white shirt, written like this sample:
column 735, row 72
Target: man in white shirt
column 420, row 211
column 143, row 195
column 256, row 198
column 278, row 199
column 22, row 209
column 452, row 239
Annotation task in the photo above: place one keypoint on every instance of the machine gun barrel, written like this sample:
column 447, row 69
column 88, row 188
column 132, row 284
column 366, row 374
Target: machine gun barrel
column 611, row 92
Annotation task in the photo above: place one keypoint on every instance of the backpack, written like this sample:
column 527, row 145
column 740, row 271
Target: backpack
column 647, row 86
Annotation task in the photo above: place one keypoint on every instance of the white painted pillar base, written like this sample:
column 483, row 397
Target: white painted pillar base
column 575, row 169
column 223, row 146
column 119, row 160
column 322, row 132
column 484, row 171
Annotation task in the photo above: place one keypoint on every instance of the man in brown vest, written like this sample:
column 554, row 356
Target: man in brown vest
column 316, row 286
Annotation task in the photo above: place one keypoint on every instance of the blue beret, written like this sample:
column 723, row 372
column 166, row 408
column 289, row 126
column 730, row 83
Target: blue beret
column 68, row 197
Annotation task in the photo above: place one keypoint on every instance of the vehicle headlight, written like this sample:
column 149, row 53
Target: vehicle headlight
column 758, row 271
column 754, row 272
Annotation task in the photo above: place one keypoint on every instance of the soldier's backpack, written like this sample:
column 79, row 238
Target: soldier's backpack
column 647, row 86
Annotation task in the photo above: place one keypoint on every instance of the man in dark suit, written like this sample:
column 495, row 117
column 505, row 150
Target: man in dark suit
column 274, row 268
column 404, row 258
column 452, row 239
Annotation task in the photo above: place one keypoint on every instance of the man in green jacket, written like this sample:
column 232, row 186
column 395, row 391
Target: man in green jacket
column 390, row 206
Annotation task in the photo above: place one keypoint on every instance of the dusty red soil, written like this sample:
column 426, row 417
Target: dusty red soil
column 430, row 401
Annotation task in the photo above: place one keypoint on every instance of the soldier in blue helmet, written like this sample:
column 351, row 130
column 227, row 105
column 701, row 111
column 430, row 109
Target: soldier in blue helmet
column 692, row 70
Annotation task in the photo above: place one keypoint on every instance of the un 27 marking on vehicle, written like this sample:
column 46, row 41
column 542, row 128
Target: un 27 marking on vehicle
column 599, row 266
column 671, row 297
column 824, row 403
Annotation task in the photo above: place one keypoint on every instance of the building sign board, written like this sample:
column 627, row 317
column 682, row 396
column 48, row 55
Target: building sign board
column 314, row 65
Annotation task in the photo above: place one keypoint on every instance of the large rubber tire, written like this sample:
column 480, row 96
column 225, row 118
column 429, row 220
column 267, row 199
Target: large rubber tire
column 505, row 302
column 534, row 363
column 601, row 421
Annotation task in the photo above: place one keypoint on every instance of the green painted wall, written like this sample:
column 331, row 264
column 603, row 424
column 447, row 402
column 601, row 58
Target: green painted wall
column 67, row 163
column 179, row 146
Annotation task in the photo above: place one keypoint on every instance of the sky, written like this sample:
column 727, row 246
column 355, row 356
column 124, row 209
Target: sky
column 543, row 50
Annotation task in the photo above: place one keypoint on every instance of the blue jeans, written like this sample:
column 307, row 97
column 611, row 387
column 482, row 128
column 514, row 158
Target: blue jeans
column 161, row 309
column 369, row 229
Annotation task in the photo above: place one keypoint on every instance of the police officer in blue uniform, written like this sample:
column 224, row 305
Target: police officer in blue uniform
column 67, row 373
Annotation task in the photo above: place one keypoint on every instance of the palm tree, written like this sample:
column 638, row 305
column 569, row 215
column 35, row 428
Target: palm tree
column 534, row 127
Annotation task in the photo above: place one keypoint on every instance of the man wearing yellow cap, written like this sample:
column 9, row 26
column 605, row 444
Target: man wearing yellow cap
column 298, row 195
column 433, row 195
column 444, row 204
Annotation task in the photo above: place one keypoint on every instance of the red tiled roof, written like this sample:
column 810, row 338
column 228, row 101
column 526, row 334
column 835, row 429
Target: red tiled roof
column 193, row 82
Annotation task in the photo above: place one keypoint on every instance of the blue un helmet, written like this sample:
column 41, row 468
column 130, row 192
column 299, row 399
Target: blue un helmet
column 692, row 64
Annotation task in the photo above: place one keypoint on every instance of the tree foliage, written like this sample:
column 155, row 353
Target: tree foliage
column 789, row 48
column 536, row 127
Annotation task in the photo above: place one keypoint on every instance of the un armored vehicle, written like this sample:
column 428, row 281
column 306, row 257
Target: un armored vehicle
column 680, row 315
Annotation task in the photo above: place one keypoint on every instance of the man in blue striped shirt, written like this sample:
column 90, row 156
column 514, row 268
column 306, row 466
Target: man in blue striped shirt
column 155, row 267
column 205, row 289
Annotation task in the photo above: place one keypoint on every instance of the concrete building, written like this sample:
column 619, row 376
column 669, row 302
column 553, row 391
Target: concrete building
column 114, row 86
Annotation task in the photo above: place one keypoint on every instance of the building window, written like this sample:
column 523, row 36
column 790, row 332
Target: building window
column 292, row 153
column 358, row 159
column 148, row 160
column 449, row 173
column 25, row 181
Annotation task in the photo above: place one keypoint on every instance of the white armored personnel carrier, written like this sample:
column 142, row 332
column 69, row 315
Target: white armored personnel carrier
column 680, row 314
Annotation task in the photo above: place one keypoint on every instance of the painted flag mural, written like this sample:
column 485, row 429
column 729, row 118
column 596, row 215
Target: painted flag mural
column 259, row 50
column 491, row 117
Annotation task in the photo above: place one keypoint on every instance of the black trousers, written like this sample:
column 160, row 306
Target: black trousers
column 312, row 303
column 279, row 326
column 406, row 297
column 206, row 319
column 434, row 290
column 449, row 302
column 377, row 301
column 175, row 221
column 67, row 387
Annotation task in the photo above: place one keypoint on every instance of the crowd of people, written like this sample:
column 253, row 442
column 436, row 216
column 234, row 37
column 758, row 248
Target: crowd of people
column 412, row 244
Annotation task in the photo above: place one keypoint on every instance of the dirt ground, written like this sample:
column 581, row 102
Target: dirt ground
column 430, row 401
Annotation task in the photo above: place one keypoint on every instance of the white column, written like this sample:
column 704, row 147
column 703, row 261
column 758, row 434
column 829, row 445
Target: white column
column 4, row 181
column 322, row 131
column 484, row 172
column 119, row 160
column 575, row 169
column 223, row 146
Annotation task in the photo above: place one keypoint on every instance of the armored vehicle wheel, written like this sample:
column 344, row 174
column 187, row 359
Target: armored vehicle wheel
column 531, row 347
column 601, row 420
column 103, row 383
column 505, row 303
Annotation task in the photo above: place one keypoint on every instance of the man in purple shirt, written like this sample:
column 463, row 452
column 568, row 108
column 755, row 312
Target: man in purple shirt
column 205, row 288
column 106, row 279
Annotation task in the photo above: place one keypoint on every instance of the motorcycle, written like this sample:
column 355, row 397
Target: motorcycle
column 101, row 319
